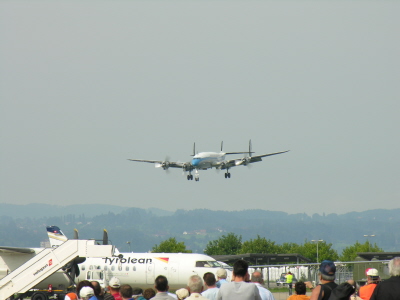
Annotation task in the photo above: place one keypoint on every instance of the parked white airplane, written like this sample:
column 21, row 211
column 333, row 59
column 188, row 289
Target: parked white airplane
column 208, row 160
column 139, row 269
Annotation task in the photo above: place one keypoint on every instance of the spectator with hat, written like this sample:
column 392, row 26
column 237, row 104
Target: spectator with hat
column 327, row 270
column 182, row 294
column 372, row 281
column 221, row 277
column 87, row 293
column 389, row 288
column 113, row 286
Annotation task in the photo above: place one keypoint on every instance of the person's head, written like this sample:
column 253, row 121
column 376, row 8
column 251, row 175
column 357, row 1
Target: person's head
column 195, row 284
column 209, row 279
column 372, row 275
column 300, row 288
column 327, row 270
column 394, row 267
column 182, row 294
column 97, row 288
column 148, row 293
column 86, row 292
column 257, row 277
column 221, row 273
column 161, row 283
column 125, row 291
column 114, row 285
column 81, row 284
column 136, row 292
column 240, row 268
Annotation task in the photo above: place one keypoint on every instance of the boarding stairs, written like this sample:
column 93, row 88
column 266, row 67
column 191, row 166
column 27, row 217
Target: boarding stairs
column 47, row 262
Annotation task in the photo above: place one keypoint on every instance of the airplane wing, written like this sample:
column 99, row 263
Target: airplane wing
column 16, row 250
column 164, row 164
column 251, row 159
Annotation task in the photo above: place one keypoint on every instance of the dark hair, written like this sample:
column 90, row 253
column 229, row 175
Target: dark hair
column 209, row 279
column 161, row 283
column 240, row 268
column 300, row 288
column 137, row 291
column 96, row 288
column 149, row 293
column 81, row 284
column 126, row 291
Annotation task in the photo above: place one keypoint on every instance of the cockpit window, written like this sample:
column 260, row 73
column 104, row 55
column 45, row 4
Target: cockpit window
column 207, row 264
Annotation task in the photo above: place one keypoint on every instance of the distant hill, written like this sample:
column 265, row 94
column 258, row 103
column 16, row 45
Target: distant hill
column 24, row 225
column 37, row 210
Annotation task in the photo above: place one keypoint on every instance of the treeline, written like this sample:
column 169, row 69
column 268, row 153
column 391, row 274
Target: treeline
column 196, row 228
column 231, row 244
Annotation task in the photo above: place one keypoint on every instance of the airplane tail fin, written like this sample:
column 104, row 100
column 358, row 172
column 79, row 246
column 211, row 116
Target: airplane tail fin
column 56, row 236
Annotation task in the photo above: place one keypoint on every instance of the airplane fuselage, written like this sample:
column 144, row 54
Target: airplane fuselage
column 204, row 160
column 141, row 269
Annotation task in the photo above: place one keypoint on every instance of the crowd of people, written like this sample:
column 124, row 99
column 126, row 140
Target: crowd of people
column 244, row 286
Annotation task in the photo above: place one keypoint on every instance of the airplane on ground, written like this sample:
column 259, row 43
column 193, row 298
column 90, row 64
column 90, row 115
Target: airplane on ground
column 209, row 160
column 138, row 269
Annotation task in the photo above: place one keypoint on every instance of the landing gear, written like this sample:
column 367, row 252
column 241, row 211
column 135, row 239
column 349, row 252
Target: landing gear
column 190, row 177
column 196, row 175
column 227, row 175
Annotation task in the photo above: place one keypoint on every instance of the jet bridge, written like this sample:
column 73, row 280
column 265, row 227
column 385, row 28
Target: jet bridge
column 47, row 262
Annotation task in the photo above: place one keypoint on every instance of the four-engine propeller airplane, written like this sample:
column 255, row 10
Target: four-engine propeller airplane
column 209, row 160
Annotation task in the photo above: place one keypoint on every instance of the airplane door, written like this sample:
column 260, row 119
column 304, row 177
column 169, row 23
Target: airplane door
column 150, row 273
column 96, row 275
column 173, row 274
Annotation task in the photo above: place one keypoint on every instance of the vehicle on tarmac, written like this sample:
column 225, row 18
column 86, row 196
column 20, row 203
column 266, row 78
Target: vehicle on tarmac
column 282, row 280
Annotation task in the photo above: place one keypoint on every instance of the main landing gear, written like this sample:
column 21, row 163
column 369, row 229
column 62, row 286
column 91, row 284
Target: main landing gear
column 227, row 175
column 196, row 176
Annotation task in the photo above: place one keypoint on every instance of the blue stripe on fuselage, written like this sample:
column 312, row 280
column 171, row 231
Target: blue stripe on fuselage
column 197, row 162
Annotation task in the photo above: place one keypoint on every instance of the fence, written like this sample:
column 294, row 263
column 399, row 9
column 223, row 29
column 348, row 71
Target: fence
column 309, row 272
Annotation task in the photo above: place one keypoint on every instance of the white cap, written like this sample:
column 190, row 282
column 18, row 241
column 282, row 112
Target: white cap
column 114, row 282
column 372, row 272
column 86, row 292
column 221, row 273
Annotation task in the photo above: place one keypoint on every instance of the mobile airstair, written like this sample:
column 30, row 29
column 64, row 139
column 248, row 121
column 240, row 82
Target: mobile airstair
column 47, row 262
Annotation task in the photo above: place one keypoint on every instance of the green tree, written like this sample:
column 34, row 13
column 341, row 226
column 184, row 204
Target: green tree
column 350, row 253
column 170, row 246
column 288, row 248
column 226, row 245
column 258, row 245
column 325, row 251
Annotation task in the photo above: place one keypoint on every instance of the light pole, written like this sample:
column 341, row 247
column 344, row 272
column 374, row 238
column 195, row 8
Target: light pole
column 317, row 241
column 129, row 243
column 369, row 244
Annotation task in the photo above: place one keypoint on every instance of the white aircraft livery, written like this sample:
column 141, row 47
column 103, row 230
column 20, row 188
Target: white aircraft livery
column 139, row 269
column 208, row 160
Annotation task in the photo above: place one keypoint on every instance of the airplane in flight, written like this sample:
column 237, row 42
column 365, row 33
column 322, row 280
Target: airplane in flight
column 209, row 160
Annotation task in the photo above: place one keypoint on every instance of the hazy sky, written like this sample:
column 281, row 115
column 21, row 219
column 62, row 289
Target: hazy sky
column 85, row 85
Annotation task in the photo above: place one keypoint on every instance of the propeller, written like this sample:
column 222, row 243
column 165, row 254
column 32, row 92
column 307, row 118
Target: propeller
column 164, row 164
